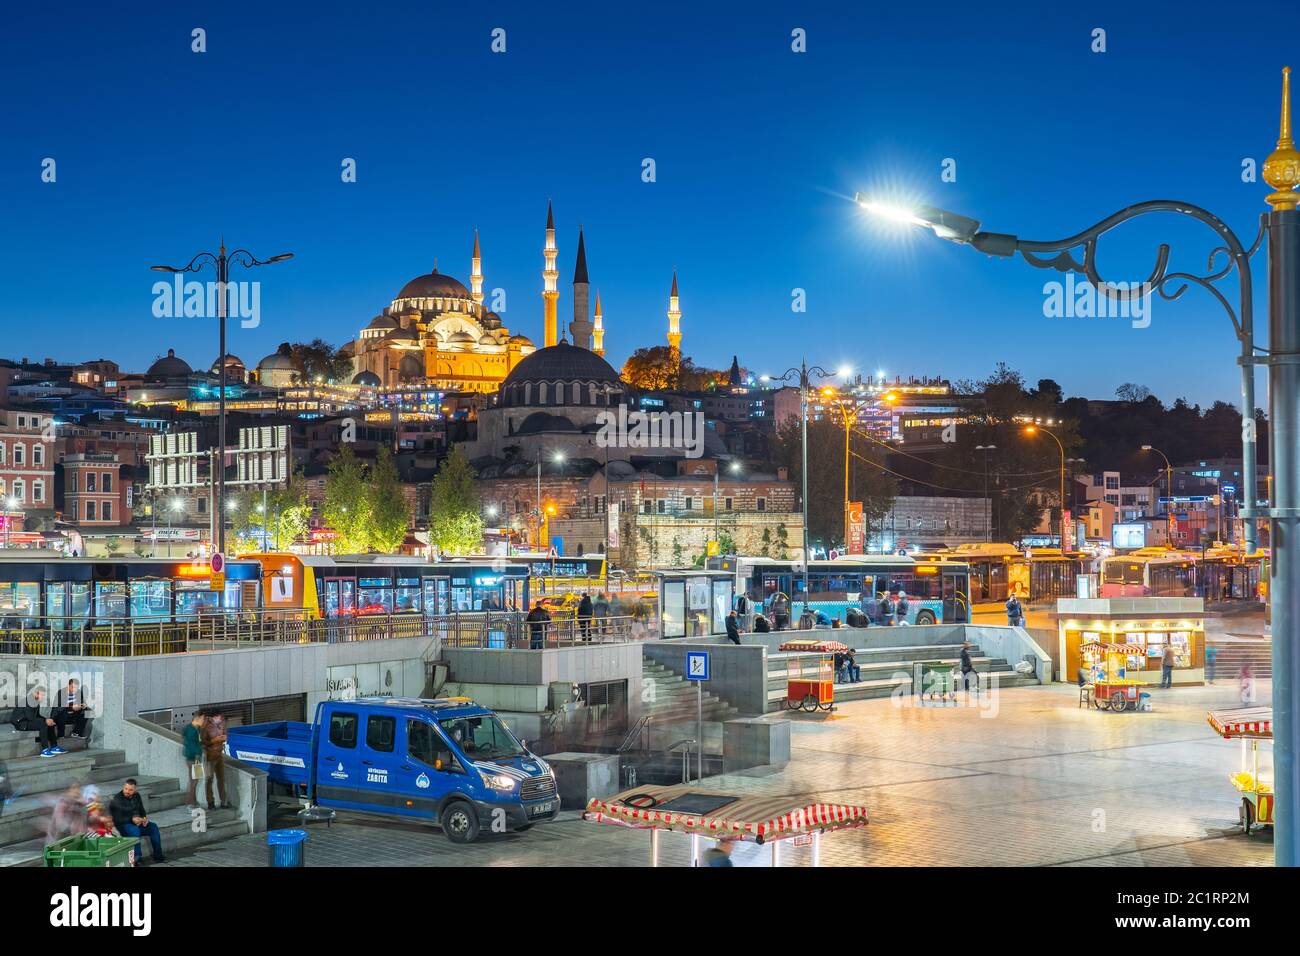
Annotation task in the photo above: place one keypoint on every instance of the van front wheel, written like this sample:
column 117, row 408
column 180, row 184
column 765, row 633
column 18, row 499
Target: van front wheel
column 460, row 822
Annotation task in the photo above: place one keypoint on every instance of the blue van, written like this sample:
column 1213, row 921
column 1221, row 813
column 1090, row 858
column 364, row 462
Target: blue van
column 448, row 761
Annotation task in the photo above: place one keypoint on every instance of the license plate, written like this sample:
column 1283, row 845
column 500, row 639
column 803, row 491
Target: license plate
column 541, row 809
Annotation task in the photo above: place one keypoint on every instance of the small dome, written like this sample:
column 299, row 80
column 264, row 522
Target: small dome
column 382, row 322
column 520, row 340
column 562, row 363
column 276, row 362
column 433, row 286
column 460, row 338
column 402, row 335
column 366, row 379
column 169, row 367
column 487, row 338
column 232, row 362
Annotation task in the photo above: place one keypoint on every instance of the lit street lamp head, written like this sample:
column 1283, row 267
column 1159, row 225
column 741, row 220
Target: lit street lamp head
column 944, row 224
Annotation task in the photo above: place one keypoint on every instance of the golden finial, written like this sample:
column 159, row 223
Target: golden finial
column 1282, row 168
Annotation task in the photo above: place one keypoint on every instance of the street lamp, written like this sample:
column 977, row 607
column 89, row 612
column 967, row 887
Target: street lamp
column 1281, row 226
column 734, row 468
column 221, row 261
column 804, row 373
column 1169, row 491
column 176, row 505
column 988, row 502
column 1033, row 430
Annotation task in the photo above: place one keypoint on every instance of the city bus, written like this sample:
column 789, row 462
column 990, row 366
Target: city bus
column 999, row 570
column 937, row 587
column 554, row 575
column 365, row 585
column 1151, row 572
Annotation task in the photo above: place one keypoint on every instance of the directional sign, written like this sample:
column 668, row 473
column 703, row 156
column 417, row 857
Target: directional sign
column 697, row 665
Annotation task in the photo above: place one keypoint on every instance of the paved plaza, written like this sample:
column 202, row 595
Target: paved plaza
column 1028, row 779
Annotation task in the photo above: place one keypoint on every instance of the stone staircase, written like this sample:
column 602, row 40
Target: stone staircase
column 672, row 698
column 888, row 670
column 37, row 783
column 1233, row 652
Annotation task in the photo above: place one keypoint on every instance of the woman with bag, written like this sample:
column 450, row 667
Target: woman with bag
column 194, row 757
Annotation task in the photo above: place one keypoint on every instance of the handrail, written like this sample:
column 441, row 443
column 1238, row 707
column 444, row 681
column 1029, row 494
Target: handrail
column 686, row 756
column 637, row 732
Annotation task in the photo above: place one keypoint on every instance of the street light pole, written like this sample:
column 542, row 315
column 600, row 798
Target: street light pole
column 221, row 262
column 1282, row 172
column 1030, row 430
column 804, row 373
column 988, row 502
column 1169, row 492
column 1282, row 358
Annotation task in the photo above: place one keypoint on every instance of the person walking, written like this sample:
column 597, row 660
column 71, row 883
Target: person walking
column 1167, row 667
column 69, row 816
column 886, row 609
column 720, row 853
column 602, row 611
column 99, row 822
column 1211, row 658
column 1015, row 613
column 870, row 608
column 193, row 751
column 213, row 738
column 902, row 608
column 586, row 610
column 130, row 818
column 968, row 671
column 780, row 611
column 537, row 620
column 1247, row 685
column 733, row 628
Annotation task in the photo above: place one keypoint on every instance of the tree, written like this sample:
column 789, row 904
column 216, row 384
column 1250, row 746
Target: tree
column 317, row 359
column 455, row 518
column 389, row 511
column 274, row 520
column 868, row 482
column 652, row 369
column 346, row 508
column 1128, row 392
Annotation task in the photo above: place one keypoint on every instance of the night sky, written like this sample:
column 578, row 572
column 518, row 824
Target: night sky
column 160, row 151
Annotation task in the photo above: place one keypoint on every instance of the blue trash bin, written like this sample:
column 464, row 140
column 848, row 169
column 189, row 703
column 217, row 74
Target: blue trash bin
column 286, row 847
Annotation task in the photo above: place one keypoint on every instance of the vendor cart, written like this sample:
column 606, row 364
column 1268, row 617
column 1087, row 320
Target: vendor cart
column 1111, row 685
column 764, row 820
column 810, row 683
column 1251, row 724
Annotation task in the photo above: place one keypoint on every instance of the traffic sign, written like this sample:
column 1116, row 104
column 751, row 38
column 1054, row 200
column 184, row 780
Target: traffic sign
column 217, row 563
column 697, row 665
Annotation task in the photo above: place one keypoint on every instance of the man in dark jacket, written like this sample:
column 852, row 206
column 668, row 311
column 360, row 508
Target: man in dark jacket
column 586, row 610
column 733, row 628
column 70, row 708
column 537, row 619
column 130, row 819
column 761, row 625
column 31, row 717
column 968, row 672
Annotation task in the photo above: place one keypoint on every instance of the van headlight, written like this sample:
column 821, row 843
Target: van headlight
column 499, row 781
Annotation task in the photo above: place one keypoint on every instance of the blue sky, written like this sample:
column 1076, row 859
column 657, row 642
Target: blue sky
column 160, row 151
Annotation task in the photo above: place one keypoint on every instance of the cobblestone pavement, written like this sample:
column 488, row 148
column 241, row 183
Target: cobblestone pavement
column 1032, row 781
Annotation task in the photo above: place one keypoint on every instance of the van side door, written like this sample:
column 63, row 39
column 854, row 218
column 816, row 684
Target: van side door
column 428, row 770
column 337, row 765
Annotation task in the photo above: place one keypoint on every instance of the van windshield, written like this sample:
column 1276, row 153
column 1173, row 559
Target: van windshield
column 482, row 738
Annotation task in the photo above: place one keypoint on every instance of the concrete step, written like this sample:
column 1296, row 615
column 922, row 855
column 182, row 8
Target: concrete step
column 886, row 687
column 175, row 824
column 17, row 744
column 46, row 774
column 27, row 816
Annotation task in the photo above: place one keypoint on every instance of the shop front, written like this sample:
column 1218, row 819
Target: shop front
column 1143, row 626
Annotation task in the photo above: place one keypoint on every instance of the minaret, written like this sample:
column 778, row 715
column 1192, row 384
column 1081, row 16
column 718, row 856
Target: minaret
column 476, row 273
column 598, row 332
column 674, row 320
column 550, row 291
column 580, row 330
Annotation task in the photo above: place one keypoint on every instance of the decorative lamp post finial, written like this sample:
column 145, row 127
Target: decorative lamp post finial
column 1282, row 168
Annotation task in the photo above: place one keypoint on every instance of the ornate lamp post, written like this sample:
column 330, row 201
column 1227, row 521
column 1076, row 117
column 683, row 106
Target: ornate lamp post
column 221, row 261
column 804, row 373
column 1078, row 253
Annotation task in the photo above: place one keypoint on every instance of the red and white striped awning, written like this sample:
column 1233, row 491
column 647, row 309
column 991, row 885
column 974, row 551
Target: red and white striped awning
column 1247, row 722
column 757, row 818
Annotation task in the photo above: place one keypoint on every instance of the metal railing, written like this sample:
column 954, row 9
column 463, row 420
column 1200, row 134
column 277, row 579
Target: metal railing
column 686, row 743
column 139, row 636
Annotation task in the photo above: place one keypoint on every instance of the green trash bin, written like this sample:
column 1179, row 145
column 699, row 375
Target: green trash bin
column 92, row 851
column 936, row 677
